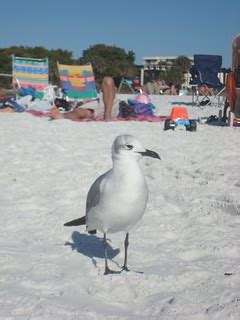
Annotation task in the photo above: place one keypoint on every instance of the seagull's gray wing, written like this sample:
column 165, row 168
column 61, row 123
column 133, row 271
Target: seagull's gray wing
column 94, row 192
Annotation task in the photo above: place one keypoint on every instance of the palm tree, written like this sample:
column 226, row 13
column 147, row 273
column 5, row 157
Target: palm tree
column 182, row 65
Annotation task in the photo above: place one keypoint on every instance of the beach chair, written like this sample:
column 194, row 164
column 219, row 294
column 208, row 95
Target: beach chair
column 127, row 83
column 133, row 85
column 207, row 89
column 32, row 74
column 77, row 81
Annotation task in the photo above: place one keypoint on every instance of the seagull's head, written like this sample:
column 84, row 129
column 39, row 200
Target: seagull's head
column 127, row 146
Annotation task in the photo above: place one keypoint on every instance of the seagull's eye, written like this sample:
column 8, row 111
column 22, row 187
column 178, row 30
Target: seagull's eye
column 129, row 146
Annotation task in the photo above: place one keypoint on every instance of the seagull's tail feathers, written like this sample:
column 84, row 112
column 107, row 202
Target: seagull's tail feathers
column 79, row 222
column 76, row 222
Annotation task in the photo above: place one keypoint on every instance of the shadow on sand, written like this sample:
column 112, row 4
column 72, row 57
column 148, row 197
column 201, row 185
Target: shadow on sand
column 90, row 246
column 179, row 103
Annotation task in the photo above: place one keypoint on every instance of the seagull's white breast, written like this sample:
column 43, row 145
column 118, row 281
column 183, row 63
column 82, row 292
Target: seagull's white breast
column 123, row 200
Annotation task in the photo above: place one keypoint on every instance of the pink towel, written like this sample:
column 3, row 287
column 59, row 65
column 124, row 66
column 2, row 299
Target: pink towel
column 138, row 118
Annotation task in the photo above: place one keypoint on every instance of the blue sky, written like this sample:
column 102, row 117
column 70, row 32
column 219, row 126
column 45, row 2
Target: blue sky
column 149, row 28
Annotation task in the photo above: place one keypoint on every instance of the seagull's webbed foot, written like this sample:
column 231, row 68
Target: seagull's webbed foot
column 109, row 271
column 125, row 268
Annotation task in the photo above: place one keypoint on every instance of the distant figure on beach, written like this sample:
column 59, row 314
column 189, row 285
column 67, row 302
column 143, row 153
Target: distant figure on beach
column 107, row 106
column 159, row 86
column 236, row 59
column 136, row 85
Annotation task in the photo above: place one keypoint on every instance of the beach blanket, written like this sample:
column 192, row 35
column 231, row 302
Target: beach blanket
column 137, row 118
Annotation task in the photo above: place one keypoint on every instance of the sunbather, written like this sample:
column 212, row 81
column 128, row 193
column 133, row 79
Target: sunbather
column 171, row 90
column 236, row 59
column 160, row 87
column 107, row 106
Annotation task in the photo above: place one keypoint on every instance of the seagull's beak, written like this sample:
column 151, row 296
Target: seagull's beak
column 150, row 153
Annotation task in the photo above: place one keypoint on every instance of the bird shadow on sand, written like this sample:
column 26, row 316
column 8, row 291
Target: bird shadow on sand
column 90, row 246
column 179, row 103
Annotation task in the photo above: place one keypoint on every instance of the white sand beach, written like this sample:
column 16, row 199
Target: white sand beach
column 186, row 245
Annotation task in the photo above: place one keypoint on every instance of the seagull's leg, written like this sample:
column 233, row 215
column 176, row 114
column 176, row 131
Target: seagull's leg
column 105, row 245
column 105, row 253
column 126, row 243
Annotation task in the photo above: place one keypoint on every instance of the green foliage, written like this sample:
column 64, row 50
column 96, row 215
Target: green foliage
column 60, row 55
column 181, row 65
column 109, row 60
column 106, row 60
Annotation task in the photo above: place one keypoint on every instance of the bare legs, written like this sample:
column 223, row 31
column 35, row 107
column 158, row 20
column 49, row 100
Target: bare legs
column 76, row 114
column 109, row 92
column 159, row 86
column 171, row 91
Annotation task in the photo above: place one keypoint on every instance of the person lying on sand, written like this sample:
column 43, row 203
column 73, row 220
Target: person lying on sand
column 160, row 87
column 107, row 106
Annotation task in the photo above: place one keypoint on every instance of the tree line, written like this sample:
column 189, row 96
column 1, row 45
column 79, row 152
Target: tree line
column 106, row 60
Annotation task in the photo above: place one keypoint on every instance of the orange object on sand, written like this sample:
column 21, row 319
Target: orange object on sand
column 231, row 90
column 179, row 113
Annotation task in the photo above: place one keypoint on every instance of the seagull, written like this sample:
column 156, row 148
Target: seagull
column 117, row 199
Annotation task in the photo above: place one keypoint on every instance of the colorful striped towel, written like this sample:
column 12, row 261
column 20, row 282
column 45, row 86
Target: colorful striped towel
column 31, row 73
column 78, row 82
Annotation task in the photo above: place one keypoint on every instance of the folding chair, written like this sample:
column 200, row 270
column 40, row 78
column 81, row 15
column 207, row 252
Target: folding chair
column 207, row 89
column 31, row 73
column 134, row 84
column 127, row 83
column 78, row 82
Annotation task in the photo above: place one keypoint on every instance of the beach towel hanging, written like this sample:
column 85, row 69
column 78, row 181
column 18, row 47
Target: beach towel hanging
column 78, row 82
column 31, row 73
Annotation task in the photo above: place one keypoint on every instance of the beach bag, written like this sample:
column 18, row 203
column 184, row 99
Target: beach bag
column 142, row 98
column 143, row 109
column 126, row 111
column 27, row 91
column 142, row 105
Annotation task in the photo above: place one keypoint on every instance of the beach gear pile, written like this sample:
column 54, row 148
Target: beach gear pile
column 26, row 100
column 142, row 105
column 139, row 106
